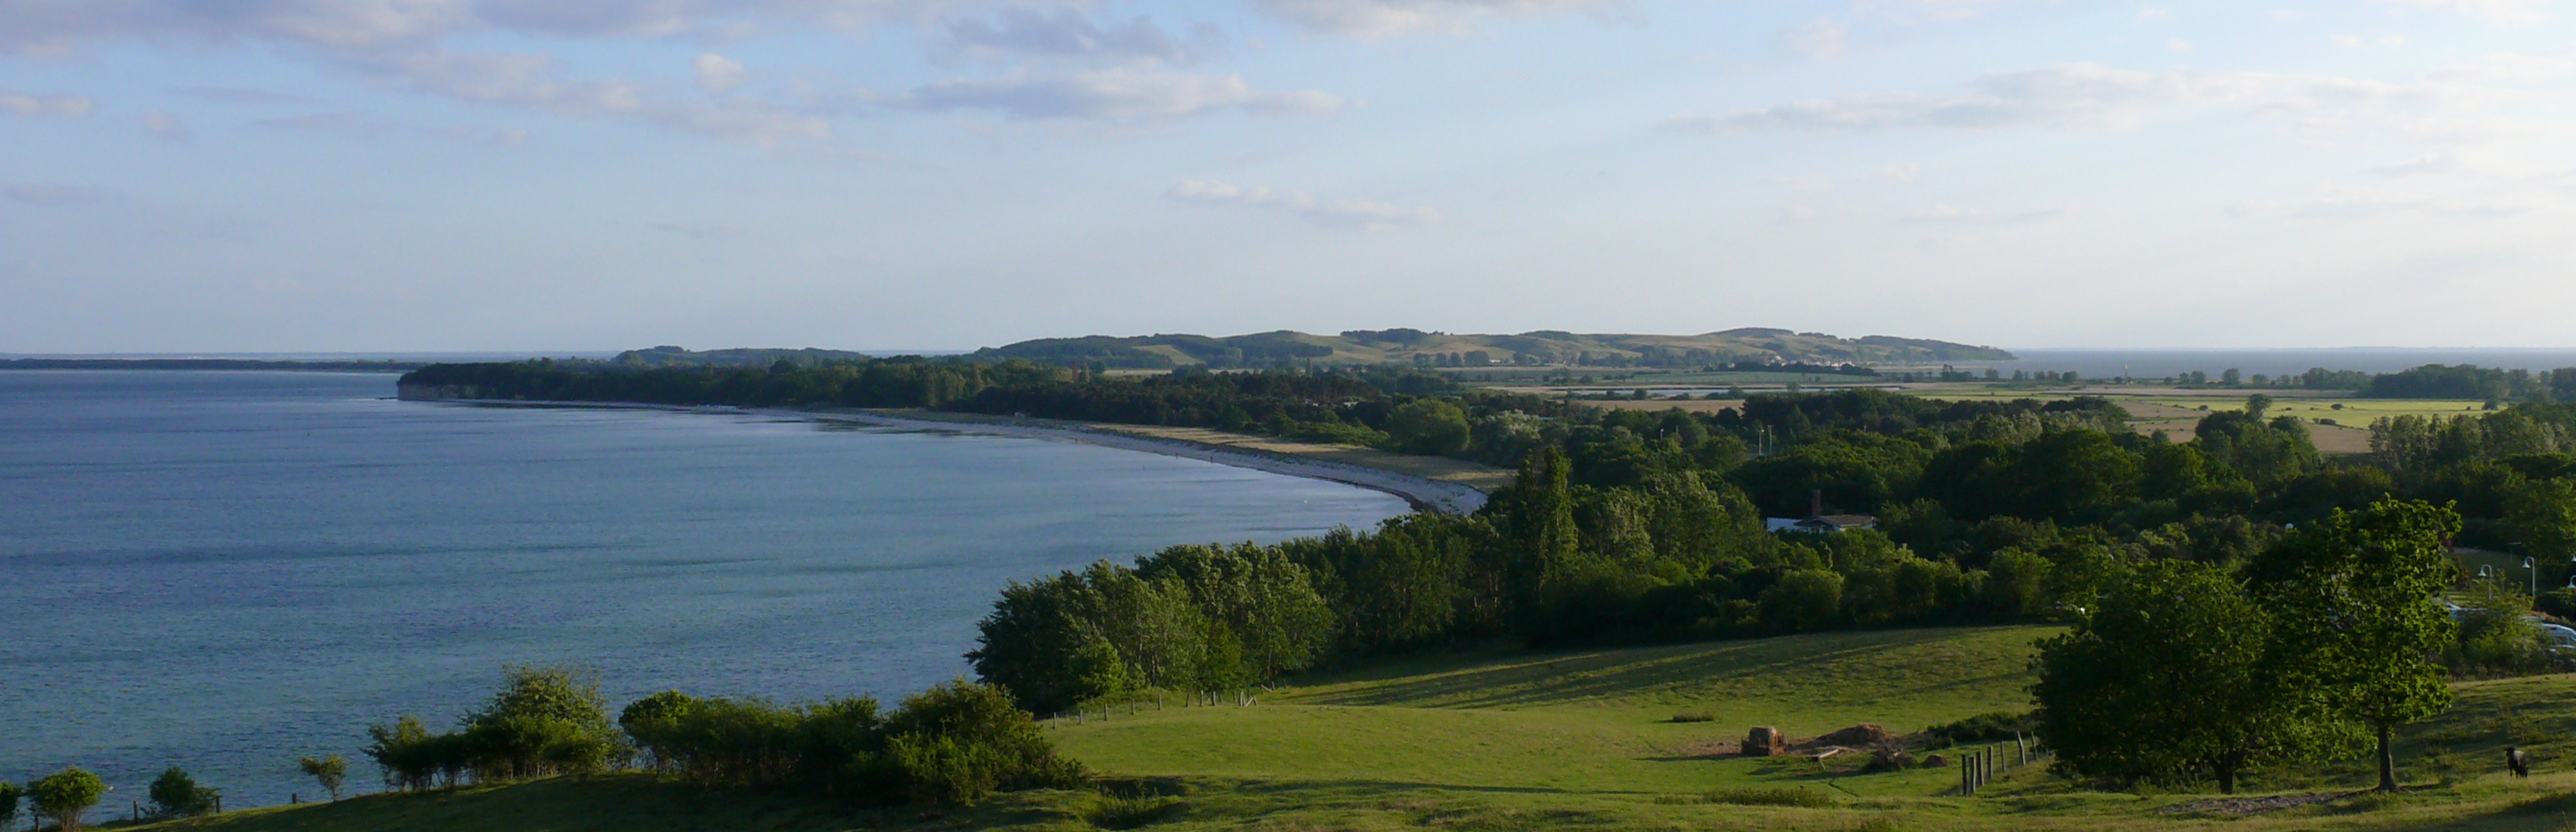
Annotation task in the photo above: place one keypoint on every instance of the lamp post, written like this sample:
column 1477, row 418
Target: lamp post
column 2528, row 563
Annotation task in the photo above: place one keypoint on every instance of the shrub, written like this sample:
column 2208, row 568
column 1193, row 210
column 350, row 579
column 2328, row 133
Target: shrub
column 1115, row 812
column 1755, row 796
column 10, row 793
column 2496, row 634
column 64, row 795
column 175, row 794
column 961, row 741
column 328, row 771
column 1985, row 727
column 956, row 743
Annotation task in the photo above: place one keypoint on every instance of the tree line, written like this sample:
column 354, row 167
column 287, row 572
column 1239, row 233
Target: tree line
column 955, row 743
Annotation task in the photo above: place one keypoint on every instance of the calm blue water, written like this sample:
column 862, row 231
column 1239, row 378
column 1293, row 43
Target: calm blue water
column 227, row 571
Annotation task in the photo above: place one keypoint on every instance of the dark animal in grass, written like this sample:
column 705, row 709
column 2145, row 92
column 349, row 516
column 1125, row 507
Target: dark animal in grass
column 2518, row 763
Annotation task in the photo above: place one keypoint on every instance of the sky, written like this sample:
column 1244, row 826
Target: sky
column 460, row 175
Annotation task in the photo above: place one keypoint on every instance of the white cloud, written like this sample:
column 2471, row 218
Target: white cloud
column 51, row 196
column 1952, row 214
column 1380, row 18
column 2377, row 42
column 2507, row 68
column 1344, row 213
column 2178, row 45
column 2098, row 97
column 1820, row 39
column 1070, row 34
column 57, row 27
column 529, row 82
column 164, row 125
column 1133, row 95
column 30, row 104
column 717, row 73
column 2513, row 13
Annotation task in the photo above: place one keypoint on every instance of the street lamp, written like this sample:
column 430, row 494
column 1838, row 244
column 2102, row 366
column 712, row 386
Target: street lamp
column 2527, row 563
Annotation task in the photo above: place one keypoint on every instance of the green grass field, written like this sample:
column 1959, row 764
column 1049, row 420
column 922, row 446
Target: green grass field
column 1584, row 740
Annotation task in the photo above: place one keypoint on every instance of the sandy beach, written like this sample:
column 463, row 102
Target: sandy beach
column 1425, row 494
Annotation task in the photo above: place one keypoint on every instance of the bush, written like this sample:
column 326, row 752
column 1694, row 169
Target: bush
column 2560, row 603
column 1986, row 727
column 2496, row 634
column 64, row 795
column 175, row 794
column 961, row 741
column 1115, row 812
column 10, row 793
column 1753, row 796
column 328, row 771
column 956, row 743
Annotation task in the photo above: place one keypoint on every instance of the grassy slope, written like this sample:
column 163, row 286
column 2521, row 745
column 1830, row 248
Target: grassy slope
column 1590, row 721
column 1737, row 344
column 1583, row 740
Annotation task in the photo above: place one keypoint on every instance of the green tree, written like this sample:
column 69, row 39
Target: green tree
column 328, row 771
column 2175, row 668
column 10, row 793
column 2358, row 589
column 1098, row 673
column 1804, row 599
column 65, row 795
column 1428, row 426
column 545, row 720
column 175, row 794
column 2543, row 513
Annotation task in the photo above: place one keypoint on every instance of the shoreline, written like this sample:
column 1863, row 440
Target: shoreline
column 1423, row 494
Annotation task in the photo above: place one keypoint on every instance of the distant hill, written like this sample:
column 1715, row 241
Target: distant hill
column 1543, row 347
column 742, row 357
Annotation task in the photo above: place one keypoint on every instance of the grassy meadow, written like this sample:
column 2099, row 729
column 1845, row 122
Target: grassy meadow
column 1585, row 740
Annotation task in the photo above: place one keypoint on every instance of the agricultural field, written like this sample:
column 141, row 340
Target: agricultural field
column 1588, row 740
column 2339, row 423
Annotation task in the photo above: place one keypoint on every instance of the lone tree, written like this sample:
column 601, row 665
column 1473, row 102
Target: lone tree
column 2358, row 590
column 63, row 795
column 2176, row 668
column 175, row 794
column 328, row 771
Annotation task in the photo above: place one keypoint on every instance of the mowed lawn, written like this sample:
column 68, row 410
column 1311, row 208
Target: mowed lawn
column 1590, row 721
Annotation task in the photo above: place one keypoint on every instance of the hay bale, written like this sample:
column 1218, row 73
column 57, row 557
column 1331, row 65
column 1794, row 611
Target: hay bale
column 1936, row 761
column 1765, row 741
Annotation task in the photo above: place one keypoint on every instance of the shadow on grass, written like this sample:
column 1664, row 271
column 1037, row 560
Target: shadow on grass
column 1478, row 683
column 619, row 802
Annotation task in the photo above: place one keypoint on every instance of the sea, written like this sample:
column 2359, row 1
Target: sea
column 226, row 571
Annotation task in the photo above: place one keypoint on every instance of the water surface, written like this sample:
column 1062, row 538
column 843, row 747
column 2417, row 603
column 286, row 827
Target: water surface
column 229, row 570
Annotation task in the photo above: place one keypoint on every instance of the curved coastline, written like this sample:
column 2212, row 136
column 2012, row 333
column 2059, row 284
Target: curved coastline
column 1424, row 494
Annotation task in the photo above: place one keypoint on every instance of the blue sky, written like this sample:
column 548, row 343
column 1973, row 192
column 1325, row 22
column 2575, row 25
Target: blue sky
column 387, row 175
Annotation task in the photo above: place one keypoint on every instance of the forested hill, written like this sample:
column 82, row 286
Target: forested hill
column 1413, row 346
